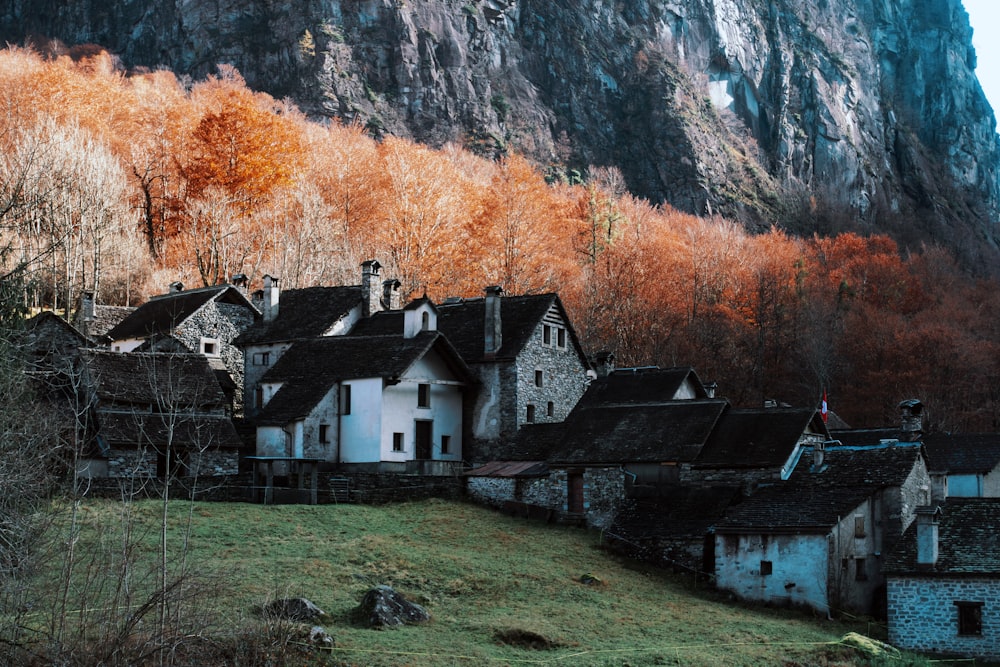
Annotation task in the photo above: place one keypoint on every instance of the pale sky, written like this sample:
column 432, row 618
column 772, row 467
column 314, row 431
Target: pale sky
column 984, row 15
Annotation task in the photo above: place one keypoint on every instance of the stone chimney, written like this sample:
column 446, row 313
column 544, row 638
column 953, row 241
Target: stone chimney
column 272, row 293
column 87, row 306
column 391, row 298
column 175, row 287
column 927, row 536
column 370, row 303
column 711, row 388
column 240, row 282
column 604, row 363
column 819, row 456
column 911, row 420
column 493, row 327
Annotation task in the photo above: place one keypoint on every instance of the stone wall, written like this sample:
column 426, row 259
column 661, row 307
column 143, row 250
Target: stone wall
column 564, row 377
column 923, row 615
column 224, row 322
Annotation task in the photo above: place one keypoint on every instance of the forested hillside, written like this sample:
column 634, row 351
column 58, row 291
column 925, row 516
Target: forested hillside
column 121, row 184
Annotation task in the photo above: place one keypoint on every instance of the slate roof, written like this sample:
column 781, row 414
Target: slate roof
column 756, row 438
column 311, row 367
column 303, row 313
column 814, row 500
column 510, row 469
column 532, row 442
column 384, row 323
column 163, row 313
column 145, row 379
column 464, row 324
column 105, row 319
column 680, row 512
column 48, row 333
column 673, row 431
column 119, row 429
column 632, row 386
column 865, row 436
column 967, row 453
column 968, row 541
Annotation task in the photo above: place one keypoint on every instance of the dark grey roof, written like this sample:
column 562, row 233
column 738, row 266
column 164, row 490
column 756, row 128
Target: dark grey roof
column 757, row 438
column 968, row 541
column 311, row 367
column 464, row 324
column 532, row 442
column 303, row 313
column 384, row 323
column 647, row 385
column 47, row 333
column 865, row 436
column 144, row 379
column 815, row 499
column 163, row 313
column 105, row 319
column 510, row 469
column 672, row 431
column 679, row 512
column 202, row 432
column 966, row 453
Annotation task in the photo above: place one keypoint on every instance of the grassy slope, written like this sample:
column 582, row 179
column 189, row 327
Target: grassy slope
column 479, row 573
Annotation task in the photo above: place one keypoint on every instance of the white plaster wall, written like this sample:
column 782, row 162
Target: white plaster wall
column 271, row 441
column 126, row 345
column 799, row 562
column 362, row 431
column 253, row 373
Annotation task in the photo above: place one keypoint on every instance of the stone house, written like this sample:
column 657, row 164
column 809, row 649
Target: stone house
column 817, row 538
column 964, row 465
column 628, row 435
column 943, row 581
column 309, row 312
column 527, row 359
column 391, row 403
column 95, row 320
column 154, row 415
column 203, row 321
column 51, row 345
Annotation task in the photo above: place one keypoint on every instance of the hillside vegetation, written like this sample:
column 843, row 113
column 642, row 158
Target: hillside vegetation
column 501, row 591
column 121, row 184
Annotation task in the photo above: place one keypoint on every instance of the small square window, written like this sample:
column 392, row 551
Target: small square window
column 539, row 378
column 530, row 416
column 423, row 396
column 397, row 442
column 345, row 399
column 209, row 347
column 261, row 358
column 970, row 618
column 860, row 570
column 562, row 338
column 445, row 444
column 766, row 568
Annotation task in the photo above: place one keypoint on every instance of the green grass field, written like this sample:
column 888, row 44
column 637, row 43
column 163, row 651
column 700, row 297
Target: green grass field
column 484, row 577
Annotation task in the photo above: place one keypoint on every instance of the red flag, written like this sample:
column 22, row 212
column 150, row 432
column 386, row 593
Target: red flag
column 823, row 409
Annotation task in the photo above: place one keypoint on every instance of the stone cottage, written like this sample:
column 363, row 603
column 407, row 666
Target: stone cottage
column 943, row 581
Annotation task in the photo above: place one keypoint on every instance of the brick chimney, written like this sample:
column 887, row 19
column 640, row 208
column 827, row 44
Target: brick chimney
column 391, row 298
column 272, row 293
column 493, row 326
column 370, row 296
column 911, row 420
column 927, row 536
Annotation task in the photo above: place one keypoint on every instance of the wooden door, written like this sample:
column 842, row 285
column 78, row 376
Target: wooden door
column 424, row 432
column 574, row 493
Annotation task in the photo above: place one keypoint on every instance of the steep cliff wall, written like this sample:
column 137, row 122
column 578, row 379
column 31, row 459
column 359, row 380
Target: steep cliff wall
column 820, row 114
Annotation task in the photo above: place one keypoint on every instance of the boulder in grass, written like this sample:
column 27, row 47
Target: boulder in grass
column 382, row 607
column 295, row 609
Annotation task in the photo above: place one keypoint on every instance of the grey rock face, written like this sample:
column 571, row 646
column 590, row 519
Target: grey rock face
column 866, row 107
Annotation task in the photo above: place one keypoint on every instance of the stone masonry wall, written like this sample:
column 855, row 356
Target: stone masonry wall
column 923, row 615
column 564, row 378
column 224, row 322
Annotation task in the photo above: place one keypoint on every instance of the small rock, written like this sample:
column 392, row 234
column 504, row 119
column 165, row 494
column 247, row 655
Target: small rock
column 382, row 607
column 320, row 638
column 295, row 609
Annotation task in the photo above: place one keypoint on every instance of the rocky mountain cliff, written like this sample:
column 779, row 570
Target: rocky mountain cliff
column 819, row 115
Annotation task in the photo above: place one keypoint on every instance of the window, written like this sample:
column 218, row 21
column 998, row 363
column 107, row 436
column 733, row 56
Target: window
column 860, row 572
column 324, row 433
column 859, row 526
column 397, row 442
column 539, row 378
column 445, row 444
column 345, row 399
column 261, row 358
column 258, row 397
column 530, row 417
column 561, row 338
column 550, row 409
column 423, row 396
column 766, row 568
column 970, row 618
column 210, row 347
column 425, row 321
column 546, row 334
